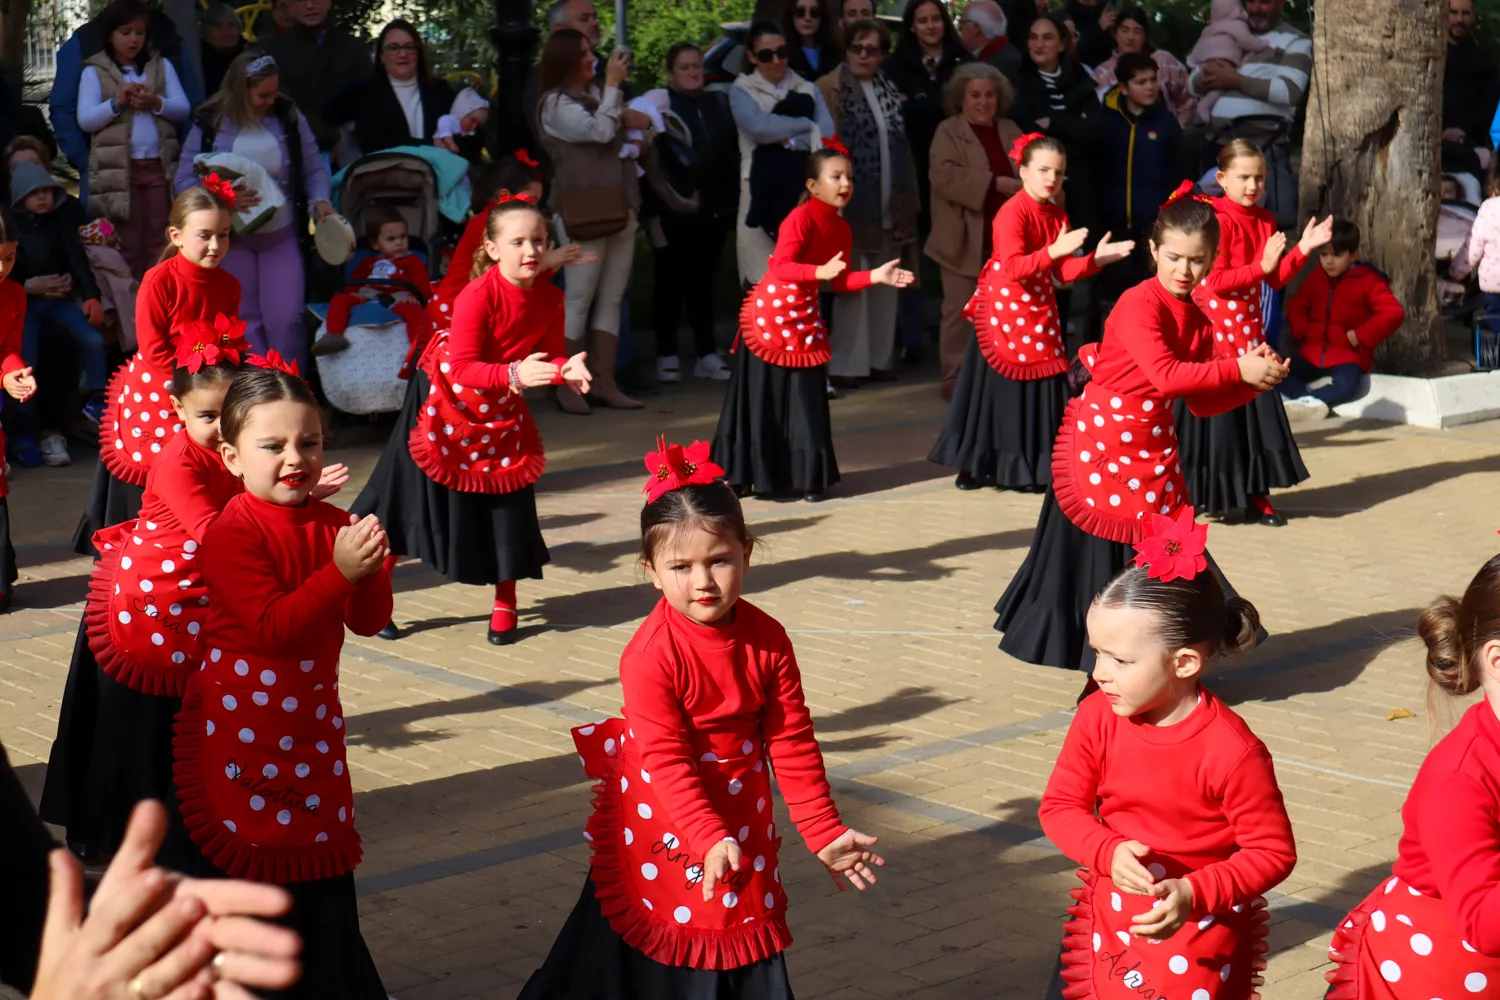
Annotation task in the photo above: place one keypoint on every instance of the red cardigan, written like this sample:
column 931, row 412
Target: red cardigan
column 679, row 676
column 188, row 487
column 1202, row 792
column 174, row 293
column 1323, row 309
column 496, row 322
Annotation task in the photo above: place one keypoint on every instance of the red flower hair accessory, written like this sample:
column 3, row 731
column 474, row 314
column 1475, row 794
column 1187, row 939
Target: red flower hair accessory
column 273, row 359
column 194, row 353
column 1174, row 550
column 1018, row 148
column 1184, row 190
column 837, row 146
column 207, row 343
column 525, row 158
column 523, row 196
column 221, row 189
column 672, row 466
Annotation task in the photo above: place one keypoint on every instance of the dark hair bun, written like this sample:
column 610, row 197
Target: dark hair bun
column 1447, row 660
column 1241, row 625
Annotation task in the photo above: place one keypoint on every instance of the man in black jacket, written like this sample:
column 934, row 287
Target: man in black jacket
column 1469, row 90
column 317, row 59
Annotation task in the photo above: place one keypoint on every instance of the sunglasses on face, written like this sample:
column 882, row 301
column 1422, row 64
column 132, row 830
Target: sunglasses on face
column 772, row 55
column 807, row 12
column 866, row 50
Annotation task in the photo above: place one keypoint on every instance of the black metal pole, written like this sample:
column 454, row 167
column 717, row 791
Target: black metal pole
column 515, row 39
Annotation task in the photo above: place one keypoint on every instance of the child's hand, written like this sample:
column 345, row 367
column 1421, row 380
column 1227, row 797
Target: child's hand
column 359, row 549
column 569, row 256
column 93, row 312
column 832, row 269
column 848, row 856
column 890, row 273
column 1353, row 339
column 20, row 384
column 1270, row 257
column 576, row 374
column 1067, row 243
column 1127, row 871
column 1174, row 903
column 1107, row 252
column 331, row 481
column 1260, row 371
column 536, row 370
column 722, row 858
column 1315, row 235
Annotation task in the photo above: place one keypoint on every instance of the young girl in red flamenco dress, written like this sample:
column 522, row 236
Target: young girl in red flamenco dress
column 1115, row 462
column 774, row 435
column 1432, row 929
column 1232, row 460
column 259, row 760
column 185, row 287
column 1162, row 794
column 454, row 484
column 1013, row 383
column 684, row 898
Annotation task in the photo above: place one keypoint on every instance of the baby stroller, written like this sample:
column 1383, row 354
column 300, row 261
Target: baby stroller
column 365, row 379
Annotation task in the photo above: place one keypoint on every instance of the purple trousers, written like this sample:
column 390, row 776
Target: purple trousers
column 269, row 269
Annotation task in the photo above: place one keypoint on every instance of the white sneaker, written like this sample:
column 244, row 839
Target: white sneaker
column 668, row 370
column 1305, row 408
column 711, row 366
column 54, row 449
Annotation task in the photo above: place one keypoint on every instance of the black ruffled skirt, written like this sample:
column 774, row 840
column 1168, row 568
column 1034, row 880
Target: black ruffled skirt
column 589, row 961
column 471, row 538
column 111, row 501
column 774, row 433
column 1000, row 430
column 8, row 571
column 1246, row 452
column 113, row 749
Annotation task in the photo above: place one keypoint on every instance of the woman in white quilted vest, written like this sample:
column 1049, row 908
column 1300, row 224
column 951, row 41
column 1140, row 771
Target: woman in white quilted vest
column 130, row 101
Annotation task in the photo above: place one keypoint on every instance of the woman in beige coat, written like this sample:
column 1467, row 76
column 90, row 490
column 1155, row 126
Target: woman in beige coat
column 971, row 175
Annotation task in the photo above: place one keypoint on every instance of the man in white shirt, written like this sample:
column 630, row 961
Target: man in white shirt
column 1271, row 82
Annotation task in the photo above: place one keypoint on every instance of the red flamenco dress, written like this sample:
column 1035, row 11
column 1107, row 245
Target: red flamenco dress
column 1013, row 383
column 1433, row 928
column 12, row 317
column 709, row 713
column 774, row 434
column 1203, row 794
column 139, row 642
column 1232, row 458
column 138, row 416
column 1115, row 462
column 259, row 757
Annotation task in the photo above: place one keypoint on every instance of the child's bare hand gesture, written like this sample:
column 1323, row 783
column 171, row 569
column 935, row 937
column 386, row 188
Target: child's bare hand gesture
column 20, row 384
column 569, row 256
column 576, row 374
column 722, row 858
column 1270, row 257
column 536, row 370
column 1262, row 369
column 1315, row 235
column 331, row 481
column 891, row 273
column 1127, row 871
column 1068, row 242
column 1107, row 252
column 359, row 549
column 849, row 856
column 833, row 268
column 1174, row 903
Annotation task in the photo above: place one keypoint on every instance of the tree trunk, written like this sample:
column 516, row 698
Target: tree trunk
column 1371, row 150
column 13, row 15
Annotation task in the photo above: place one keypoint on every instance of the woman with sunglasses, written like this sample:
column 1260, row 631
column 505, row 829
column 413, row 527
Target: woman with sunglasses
column 781, row 118
column 815, row 47
column 400, row 103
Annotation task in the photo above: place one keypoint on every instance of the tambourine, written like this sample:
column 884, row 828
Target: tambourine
column 334, row 239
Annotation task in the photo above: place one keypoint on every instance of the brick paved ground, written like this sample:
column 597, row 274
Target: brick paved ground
column 471, row 799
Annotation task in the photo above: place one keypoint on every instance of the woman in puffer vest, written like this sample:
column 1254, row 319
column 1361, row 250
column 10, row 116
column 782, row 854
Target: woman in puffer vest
column 129, row 101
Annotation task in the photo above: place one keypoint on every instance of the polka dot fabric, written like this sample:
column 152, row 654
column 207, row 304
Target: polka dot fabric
column 473, row 440
column 649, row 883
column 1400, row 944
column 138, row 421
column 1236, row 318
column 261, row 769
column 1017, row 324
column 781, row 324
column 1213, row 957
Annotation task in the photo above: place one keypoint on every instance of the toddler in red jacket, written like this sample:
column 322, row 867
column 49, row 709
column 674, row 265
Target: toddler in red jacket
column 406, row 295
column 1340, row 314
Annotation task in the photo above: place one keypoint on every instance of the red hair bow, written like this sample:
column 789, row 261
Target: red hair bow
column 523, row 196
column 672, row 466
column 221, row 189
column 208, row 343
column 1185, row 190
column 1018, row 148
column 1174, row 550
column 525, row 158
column 837, row 146
column 273, row 359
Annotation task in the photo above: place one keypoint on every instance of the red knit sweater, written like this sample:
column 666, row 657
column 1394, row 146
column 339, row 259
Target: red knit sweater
column 809, row 238
column 1243, row 233
column 1202, row 792
column 496, row 322
column 457, row 275
column 188, row 487
column 1451, row 845
column 174, row 293
column 12, row 316
column 1023, row 230
column 274, row 589
column 679, row 677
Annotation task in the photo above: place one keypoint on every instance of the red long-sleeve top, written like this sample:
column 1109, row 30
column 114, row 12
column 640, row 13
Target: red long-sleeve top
column 1243, row 232
column 12, row 318
column 273, row 587
column 462, row 263
column 174, row 293
column 1202, row 792
column 809, row 237
column 1323, row 309
column 188, row 487
column 408, row 268
column 1023, row 223
column 682, row 678
column 1450, row 848
column 496, row 322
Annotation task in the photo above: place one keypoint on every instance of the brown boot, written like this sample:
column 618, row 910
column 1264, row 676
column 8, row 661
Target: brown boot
column 602, row 367
column 567, row 400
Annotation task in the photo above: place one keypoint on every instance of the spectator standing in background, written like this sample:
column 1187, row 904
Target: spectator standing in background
column 1141, row 163
column 1270, row 82
column 1095, row 23
column 815, row 47
column 580, row 16
column 984, row 30
column 219, row 29
column 317, row 59
column 688, row 261
column 1469, row 89
column 851, row 11
column 1132, row 33
column 399, row 102
column 926, row 53
column 1057, row 98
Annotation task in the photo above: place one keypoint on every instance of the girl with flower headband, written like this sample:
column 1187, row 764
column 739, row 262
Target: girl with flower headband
column 1163, row 794
column 1432, row 929
column 1013, row 384
column 140, row 637
column 1232, row 460
column 774, row 435
column 684, row 872
column 454, row 483
column 1115, row 462
column 259, row 761
column 183, row 289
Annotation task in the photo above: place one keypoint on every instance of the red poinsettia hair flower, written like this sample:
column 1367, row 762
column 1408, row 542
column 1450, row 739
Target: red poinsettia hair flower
column 228, row 333
column 672, row 466
column 1174, row 549
column 525, row 158
column 837, row 146
column 221, row 189
column 273, row 359
column 1018, row 148
column 195, row 353
column 1185, row 190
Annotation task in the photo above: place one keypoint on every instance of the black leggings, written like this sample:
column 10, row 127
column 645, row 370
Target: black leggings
column 685, row 272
